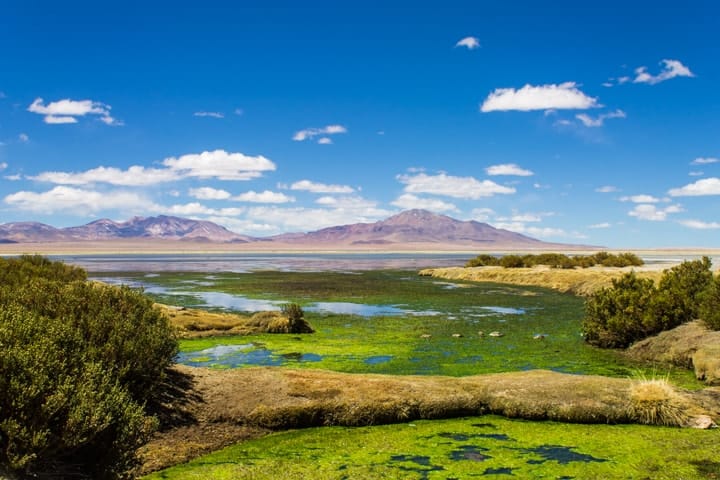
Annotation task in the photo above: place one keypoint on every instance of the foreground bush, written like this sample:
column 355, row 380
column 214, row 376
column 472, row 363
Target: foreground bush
column 78, row 362
column 710, row 305
column 634, row 308
column 557, row 260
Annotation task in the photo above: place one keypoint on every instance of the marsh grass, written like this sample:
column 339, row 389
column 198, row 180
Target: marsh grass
column 654, row 401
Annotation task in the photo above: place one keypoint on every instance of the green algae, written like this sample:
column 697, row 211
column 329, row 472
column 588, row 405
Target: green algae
column 466, row 448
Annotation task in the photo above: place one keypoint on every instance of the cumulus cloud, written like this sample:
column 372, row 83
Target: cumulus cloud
column 265, row 196
column 303, row 219
column 311, row 133
column 450, row 186
column 317, row 187
column 706, row 186
column 598, row 121
column 542, row 232
column 700, row 225
column 132, row 177
column 351, row 203
column 640, row 199
column 216, row 164
column 3, row 166
column 600, row 225
column 209, row 193
column 209, row 114
column 325, row 141
column 508, row 169
column 67, row 111
column 482, row 214
column 607, row 189
column 704, row 161
column 696, row 173
column 671, row 69
column 77, row 201
column 471, row 43
column 653, row 213
column 542, row 97
column 409, row 201
column 219, row 164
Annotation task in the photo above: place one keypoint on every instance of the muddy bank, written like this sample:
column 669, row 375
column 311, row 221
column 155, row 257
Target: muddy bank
column 581, row 282
column 214, row 408
column 690, row 345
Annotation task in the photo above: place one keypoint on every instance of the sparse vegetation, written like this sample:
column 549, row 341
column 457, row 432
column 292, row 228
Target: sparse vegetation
column 634, row 308
column 78, row 363
column 710, row 305
column 557, row 260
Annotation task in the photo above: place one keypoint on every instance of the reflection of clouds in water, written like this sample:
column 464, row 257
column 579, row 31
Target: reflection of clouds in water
column 236, row 302
column 364, row 310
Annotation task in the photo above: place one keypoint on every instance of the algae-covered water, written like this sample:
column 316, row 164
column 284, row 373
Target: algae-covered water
column 393, row 322
column 399, row 323
column 485, row 447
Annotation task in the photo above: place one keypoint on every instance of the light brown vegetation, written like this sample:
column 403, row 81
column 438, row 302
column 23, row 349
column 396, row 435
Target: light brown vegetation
column 581, row 282
column 219, row 407
column 195, row 323
column 690, row 345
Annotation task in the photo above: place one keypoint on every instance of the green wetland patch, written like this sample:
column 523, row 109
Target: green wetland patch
column 483, row 447
column 394, row 322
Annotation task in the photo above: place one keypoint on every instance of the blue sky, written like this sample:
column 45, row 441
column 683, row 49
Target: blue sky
column 580, row 122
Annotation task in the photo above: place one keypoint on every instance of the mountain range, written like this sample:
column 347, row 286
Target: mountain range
column 412, row 227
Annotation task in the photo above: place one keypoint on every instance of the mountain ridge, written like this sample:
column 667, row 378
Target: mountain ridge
column 410, row 227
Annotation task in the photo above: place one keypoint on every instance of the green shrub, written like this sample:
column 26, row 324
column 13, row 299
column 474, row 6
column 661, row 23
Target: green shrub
column 483, row 260
column 710, row 305
column 558, row 260
column 78, row 362
column 633, row 309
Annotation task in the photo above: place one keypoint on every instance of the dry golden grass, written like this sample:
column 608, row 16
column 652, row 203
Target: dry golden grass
column 690, row 345
column 194, row 323
column 581, row 282
column 263, row 399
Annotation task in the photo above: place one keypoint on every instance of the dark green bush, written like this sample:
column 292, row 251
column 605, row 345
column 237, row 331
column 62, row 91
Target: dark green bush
column 78, row 362
column 710, row 305
column 558, row 260
column 633, row 308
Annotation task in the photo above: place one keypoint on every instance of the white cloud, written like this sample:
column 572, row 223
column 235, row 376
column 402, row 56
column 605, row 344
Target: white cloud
column 456, row 187
column 310, row 133
column 409, row 201
column 325, row 141
column 700, row 225
column 239, row 111
column 77, row 201
column 350, row 203
column 600, row 225
column 542, row 97
column 13, row 178
column 704, row 161
column 3, row 166
column 307, row 219
column 607, row 189
column 209, row 193
column 542, row 232
column 471, row 43
column 219, row 164
column 652, row 213
column 263, row 197
column 696, row 173
column 209, row 114
column 598, row 121
column 316, row 187
column 482, row 214
column 671, row 69
column 67, row 111
column 508, row 169
column 133, row 176
column 706, row 186
column 23, row 137
column 216, row 164
column 640, row 199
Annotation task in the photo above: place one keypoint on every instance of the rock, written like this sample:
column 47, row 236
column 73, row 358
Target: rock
column 702, row 422
column 457, row 335
column 496, row 334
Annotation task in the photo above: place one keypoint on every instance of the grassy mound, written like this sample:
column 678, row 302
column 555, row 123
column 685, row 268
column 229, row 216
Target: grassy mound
column 690, row 345
column 581, row 282
column 196, row 323
column 251, row 401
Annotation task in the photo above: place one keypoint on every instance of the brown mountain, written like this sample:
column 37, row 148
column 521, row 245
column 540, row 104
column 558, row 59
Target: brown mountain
column 160, row 227
column 415, row 227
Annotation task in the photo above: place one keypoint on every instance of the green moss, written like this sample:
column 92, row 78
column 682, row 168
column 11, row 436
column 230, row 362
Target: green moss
column 465, row 448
